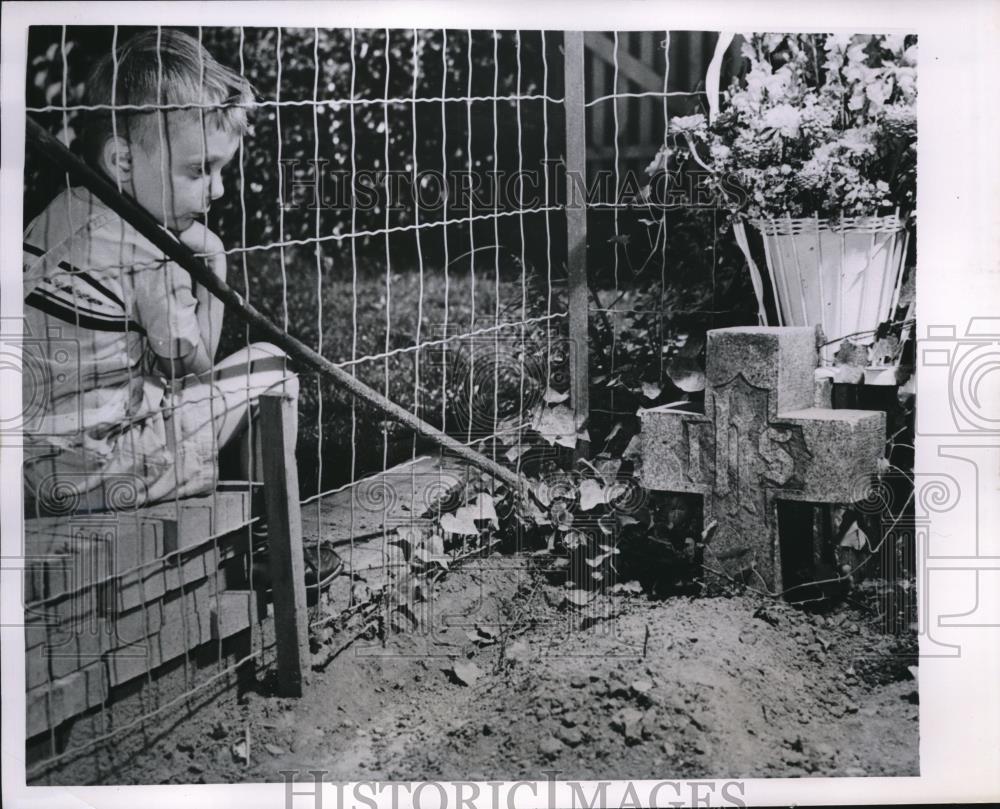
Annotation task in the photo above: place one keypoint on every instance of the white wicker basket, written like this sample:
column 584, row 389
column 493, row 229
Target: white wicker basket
column 844, row 275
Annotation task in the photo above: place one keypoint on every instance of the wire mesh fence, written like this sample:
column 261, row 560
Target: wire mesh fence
column 410, row 184
column 408, row 204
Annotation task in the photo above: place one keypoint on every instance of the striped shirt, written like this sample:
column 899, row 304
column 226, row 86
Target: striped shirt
column 101, row 303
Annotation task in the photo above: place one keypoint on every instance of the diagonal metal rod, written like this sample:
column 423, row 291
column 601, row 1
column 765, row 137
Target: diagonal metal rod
column 51, row 148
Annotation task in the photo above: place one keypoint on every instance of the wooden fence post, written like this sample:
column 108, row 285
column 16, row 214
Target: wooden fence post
column 284, row 532
column 576, row 226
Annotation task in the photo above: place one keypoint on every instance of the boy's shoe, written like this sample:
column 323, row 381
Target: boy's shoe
column 323, row 564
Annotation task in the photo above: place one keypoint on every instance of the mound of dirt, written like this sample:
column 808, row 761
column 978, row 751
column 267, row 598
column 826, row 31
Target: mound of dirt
column 503, row 679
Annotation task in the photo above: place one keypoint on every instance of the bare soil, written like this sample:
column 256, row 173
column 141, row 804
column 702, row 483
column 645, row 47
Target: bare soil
column 504, row 680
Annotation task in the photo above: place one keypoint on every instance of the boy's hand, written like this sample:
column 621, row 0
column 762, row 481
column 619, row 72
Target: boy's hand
column 201, row 240
column 210, row 309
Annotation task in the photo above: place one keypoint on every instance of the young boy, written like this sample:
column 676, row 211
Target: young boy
column 134, row 408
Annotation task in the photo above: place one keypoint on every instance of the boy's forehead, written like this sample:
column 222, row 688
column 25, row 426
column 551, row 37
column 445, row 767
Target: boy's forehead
column 192, row 133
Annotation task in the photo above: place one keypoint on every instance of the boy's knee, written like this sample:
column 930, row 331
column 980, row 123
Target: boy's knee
column 272, row 361
column 266, row 350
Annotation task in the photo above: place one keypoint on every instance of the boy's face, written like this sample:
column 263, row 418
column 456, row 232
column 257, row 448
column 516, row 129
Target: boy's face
column 176, row 177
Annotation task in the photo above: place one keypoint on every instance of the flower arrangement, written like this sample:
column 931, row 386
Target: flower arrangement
column 820, row 125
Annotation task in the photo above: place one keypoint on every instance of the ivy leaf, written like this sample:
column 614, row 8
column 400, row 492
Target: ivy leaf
column 542, row 492
column 634, row 449
column 435, row 544
column 515, row 452
column 608, row 468
column 611, row 435
column 688, row 378
column 855, row 538
column 607, row 524
column 394, row 557
column 651, row 390
column 561, row 515
column 486, row 509
column 554, row 396
column 578, row 598
column 556, row 425
column 535, row 514
column 591, row 494
column 462, row 522
column 465, row 672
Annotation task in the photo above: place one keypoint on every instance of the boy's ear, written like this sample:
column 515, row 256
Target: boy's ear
column 116, row 158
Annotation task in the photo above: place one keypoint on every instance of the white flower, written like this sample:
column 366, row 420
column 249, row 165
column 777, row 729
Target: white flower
column 893, row 42
column 838, row 42
column 659, row 163
column 688, row 123
column 856, row 54
column 876, row 93
column 786, row 119
column 720, row 152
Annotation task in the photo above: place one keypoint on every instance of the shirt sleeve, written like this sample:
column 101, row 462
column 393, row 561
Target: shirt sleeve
column 158, row 292
column 165, row 306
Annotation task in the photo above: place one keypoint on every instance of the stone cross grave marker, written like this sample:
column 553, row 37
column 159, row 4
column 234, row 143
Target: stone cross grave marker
column 760, row 440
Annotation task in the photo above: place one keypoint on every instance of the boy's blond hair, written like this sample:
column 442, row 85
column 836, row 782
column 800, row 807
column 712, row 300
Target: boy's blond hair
column 163, row 68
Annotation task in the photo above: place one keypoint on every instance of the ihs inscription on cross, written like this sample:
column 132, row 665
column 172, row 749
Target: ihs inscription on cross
column 759, row 440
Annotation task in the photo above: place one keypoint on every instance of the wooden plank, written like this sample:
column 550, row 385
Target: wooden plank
column 696, row 59
column 208, row 619
column 598, row 112
column 193, row 520
column 408, row 493
column 54, row 703
column 186, row 624
column 603, row 47
column 385, row 501
column 576, row 227
column 71, row 553
column 232, row 612
column 281, row 491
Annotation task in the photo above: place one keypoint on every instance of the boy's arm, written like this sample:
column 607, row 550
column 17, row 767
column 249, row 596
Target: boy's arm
column 209, row 310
